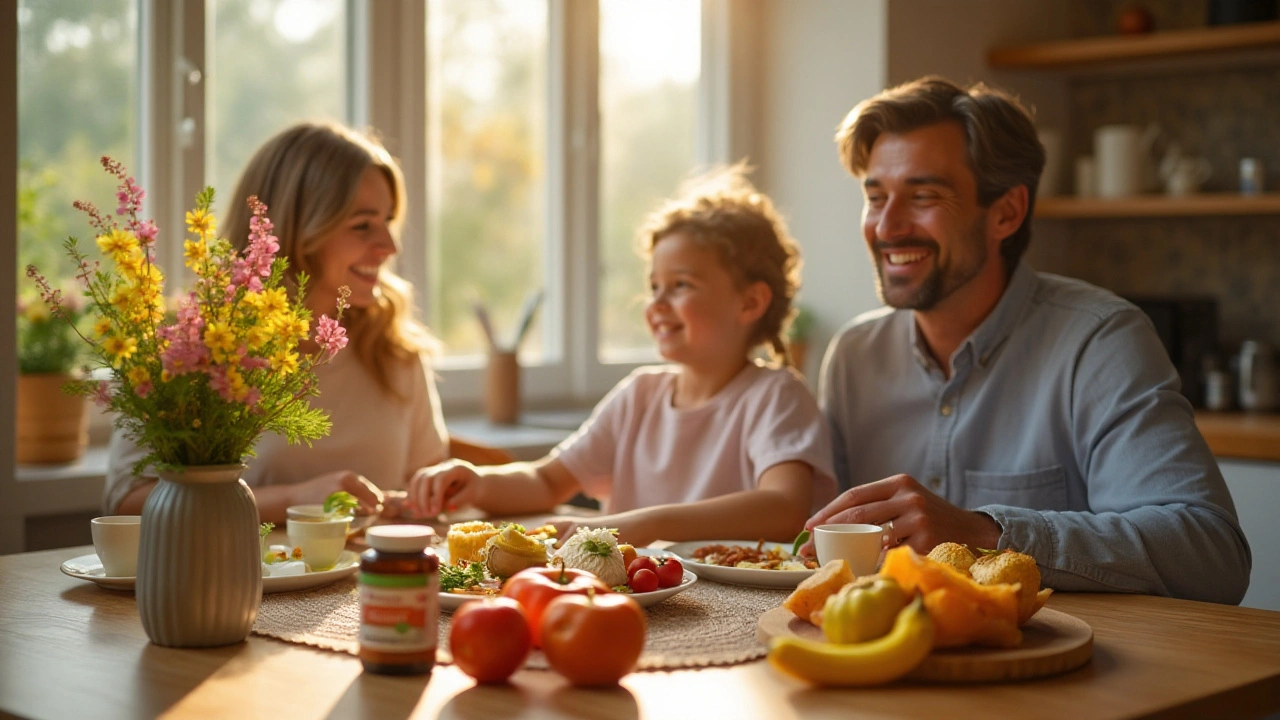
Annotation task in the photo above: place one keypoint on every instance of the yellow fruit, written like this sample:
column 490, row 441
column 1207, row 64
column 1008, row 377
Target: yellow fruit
column 870, row 663
column 863, row 610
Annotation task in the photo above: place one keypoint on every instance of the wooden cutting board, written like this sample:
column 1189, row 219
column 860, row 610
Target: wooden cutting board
column 1052, row 642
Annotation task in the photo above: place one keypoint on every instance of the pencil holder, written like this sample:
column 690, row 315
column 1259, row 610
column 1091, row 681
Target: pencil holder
column 502, row 388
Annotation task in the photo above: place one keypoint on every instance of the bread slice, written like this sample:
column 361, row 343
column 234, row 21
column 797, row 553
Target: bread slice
column 812, row 593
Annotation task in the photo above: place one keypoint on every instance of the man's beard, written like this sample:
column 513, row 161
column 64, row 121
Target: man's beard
column 941, row 281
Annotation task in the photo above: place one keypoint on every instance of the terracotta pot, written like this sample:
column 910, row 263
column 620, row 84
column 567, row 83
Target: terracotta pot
column 53, row 427
column 199, row 566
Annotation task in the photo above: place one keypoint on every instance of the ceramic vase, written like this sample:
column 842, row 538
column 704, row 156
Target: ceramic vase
column 52, row 426
column 199, row 571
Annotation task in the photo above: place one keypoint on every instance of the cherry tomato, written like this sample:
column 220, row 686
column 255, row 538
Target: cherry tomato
column 644, row 562
column 670, row 572
column 643, row 580
column 593, row 640
column 534, row 588
column 490, row 639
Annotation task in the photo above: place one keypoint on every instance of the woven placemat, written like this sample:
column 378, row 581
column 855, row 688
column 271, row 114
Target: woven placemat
column 708, row 624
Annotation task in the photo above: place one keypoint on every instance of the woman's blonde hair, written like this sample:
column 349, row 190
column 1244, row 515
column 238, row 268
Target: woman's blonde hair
column 723, row 211
column 308, row 175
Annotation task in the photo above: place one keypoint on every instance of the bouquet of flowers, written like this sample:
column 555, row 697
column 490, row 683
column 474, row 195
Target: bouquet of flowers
column 199, row 386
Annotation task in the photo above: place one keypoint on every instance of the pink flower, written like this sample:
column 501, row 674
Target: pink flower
column 330, row 335
column 102, row 394
column 143, row 389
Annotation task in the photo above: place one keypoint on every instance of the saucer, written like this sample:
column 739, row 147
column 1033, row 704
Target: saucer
column 89, row 567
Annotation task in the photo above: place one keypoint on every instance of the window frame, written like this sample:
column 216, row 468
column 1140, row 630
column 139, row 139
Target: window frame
column 387, row 91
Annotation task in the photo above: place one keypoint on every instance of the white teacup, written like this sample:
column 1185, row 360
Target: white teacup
column 115, row 539
column 321, row 538
column 858, row 545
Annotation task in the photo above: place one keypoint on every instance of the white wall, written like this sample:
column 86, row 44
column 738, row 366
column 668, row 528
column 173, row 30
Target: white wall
column 821, row 58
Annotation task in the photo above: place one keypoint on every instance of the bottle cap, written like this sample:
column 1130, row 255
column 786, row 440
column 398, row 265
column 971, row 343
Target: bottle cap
column 399, row 538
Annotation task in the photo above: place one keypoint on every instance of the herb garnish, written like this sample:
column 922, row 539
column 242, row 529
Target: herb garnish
column 460, row 578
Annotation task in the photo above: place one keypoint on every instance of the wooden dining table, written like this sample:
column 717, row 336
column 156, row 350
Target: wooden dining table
column 71, row 649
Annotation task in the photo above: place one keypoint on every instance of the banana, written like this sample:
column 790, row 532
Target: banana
column 870, row 663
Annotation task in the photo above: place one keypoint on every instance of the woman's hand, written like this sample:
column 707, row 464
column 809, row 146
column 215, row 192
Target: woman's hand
column 315, row 490
column 910, row 514
column 447, row 486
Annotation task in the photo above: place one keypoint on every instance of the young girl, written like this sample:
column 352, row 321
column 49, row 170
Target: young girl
column 712, row 446
column 336, row 199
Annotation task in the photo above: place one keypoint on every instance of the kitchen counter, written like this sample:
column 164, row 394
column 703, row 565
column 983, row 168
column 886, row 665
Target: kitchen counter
column 1248, row 436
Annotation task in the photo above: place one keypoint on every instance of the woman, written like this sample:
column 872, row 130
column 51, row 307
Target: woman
column 336, row 199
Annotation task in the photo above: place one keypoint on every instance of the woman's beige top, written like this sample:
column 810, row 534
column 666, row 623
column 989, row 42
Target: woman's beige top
column 381, row 437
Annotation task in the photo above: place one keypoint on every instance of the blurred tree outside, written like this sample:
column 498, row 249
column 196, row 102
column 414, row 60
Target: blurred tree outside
column 486, row 137
column 271, row 63
column 77, row 90
column 649, row 67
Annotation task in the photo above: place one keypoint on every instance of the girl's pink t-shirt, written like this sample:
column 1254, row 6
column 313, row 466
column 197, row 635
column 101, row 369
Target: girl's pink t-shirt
column 638, row 450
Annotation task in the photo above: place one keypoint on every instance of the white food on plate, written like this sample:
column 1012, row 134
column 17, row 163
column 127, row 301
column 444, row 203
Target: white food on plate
column 595, row 551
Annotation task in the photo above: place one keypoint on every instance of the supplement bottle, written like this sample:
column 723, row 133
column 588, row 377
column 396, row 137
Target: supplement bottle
column 399, row 600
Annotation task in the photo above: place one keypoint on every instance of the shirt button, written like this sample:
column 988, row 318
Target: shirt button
column 946, row 410
column 935, row 482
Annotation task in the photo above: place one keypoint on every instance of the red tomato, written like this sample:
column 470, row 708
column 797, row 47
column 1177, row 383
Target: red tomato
column 644, row 562
column 534, row 588
column 643, row 580
column 490, row 639
column 593, row 640
column 670, row 572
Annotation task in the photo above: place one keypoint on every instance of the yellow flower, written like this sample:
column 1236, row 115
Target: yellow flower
column 220, row 340
column 202, row 223
column 117, row 243
column 102, row 326
column 37, row 312
column 284, row 362
column 138, row 375
column 257, row 336
column 120, row 347
column 292, row 326
column 268, row 302
column 196, row 252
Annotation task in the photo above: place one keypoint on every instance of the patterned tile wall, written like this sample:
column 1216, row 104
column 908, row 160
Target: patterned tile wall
column 1222, row 115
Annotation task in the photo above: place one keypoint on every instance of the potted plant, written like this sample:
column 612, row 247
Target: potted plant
column 52, row 425
column 797, row 336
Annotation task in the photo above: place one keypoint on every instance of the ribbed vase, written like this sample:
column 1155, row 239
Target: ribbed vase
column 199, row 571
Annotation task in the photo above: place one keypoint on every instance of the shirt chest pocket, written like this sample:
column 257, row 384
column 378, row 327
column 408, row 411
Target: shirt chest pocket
column 1044, row 489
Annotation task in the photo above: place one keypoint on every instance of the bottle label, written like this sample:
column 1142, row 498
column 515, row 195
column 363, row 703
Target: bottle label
column 399, row 613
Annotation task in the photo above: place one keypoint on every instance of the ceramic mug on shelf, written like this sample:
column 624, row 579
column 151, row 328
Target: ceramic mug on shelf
column 1185, row 175
column 1123, row 158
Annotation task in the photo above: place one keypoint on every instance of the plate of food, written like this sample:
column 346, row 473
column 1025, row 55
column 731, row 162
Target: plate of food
column 745, row 562
column 508, row 550
column 89, row 567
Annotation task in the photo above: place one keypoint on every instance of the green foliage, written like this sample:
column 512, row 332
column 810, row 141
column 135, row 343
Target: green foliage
column 460, row 578
column 801, row 324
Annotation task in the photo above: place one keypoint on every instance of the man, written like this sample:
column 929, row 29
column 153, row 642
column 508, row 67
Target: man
column 998, row 407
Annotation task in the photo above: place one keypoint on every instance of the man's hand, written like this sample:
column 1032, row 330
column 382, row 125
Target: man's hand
column 910, row 514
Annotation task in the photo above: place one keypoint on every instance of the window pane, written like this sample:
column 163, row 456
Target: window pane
column 77, row 94
column 271, row 63
column 486, row 132
column 650, row 62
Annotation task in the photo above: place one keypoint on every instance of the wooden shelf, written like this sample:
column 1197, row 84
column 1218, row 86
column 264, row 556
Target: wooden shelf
column 1112, row 48
column 1203, row 204
column 1241, row 435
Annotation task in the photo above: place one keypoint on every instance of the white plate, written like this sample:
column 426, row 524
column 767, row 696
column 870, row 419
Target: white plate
column 89, row 567
column 739, row 576
column 453, row 601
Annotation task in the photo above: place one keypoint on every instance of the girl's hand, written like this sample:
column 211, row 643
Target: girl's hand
column 315, row 490
column 447, row 486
